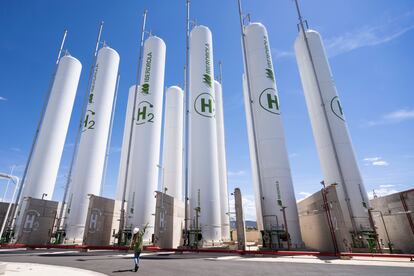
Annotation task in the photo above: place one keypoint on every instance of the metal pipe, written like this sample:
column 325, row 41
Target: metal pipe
column 372, row 223
column 286, row 227
column 324, row 191
column 108, row 142
column 15, row 180
column 122, row 216
column 78, row 134
column 8, row 183
column 385, row 228
column 186, row 114
column 220, row 74
column 325, row 115
column 251, row 113
column 404, row 203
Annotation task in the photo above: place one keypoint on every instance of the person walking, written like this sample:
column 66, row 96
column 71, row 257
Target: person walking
column 137, row 244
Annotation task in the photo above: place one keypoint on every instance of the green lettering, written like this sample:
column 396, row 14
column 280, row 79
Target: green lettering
column 204, row 105
column 272, row 99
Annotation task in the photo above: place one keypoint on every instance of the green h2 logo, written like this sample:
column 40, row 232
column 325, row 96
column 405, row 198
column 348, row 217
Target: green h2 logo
column 269, row 101
column 144, row 113
column 336, row 108
column 89, row 122
column 204, row 105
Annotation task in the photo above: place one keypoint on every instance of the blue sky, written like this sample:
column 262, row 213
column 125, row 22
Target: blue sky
column 369, row 44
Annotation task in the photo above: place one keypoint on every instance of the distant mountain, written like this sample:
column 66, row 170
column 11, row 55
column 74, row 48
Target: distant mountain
column 249, row 224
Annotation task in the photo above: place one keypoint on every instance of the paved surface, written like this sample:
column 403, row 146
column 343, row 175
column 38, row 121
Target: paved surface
column 115, row 263
column 46, row 270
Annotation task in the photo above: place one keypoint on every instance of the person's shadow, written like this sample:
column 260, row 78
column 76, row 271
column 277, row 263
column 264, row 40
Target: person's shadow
column 123, row 270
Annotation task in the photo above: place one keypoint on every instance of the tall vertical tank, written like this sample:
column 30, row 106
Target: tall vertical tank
column 89, row 163
column 330, row 130
column 202, row 163
column 274, row 176
column 47, row 152
column 144, row 164
column 125, row 144
column 222, row 164
column 172, row 159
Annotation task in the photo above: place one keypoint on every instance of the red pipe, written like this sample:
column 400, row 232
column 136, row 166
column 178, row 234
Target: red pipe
column 225, row 251
column 404, row 203
column 324, row 191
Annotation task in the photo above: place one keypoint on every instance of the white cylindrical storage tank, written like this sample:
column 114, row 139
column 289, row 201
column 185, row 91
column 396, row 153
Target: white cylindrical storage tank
column 275, row 180
column 203, row 157
column 222, row 163
column 330, row 130
column 44, row 164
column 125, row 143
column 90, row 159
column 172, row 159
column 144, row 164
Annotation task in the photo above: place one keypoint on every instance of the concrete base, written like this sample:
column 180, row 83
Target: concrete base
column 314, row 224
column 34, row 225
column 169, row 221
column 390, row 216
column 102, row 221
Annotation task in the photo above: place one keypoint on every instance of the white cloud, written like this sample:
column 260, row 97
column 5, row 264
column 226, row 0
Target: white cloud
column 392, row 118
column 381, row 192
column 367, row 36
column 372, row 159
column 278, row 54
column 387, row 186
column 375, row 161
column 115, row 149
column 249, row 206
column 293, row 155
column 380, row 163
column 400, row 115
column 303, row 195
column 3, row 98
column 236, row 173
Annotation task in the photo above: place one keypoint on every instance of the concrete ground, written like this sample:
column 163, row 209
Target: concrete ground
column 165, row 264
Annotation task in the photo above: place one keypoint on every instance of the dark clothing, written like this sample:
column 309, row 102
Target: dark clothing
column 136, row 257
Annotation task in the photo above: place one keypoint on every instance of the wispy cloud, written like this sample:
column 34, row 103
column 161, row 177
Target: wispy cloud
column 393, row 117
column 115, row 149
column 375, row 161
column 3, row 98
column 278, row 54
column 249, row 206
column 293, row 155
column 364, row 36
column 383, row 190
column 387, row 186
column 303, row 195
column 236, row 173
column 367, row 36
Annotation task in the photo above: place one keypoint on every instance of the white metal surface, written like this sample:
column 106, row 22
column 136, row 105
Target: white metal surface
column 125, row 142
column 203, row 157
column 222, row 163
column 147, row 138
column 89, row 163
column 172, row 161
column 275, row 177
column 336, row 155
column 44, row 164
